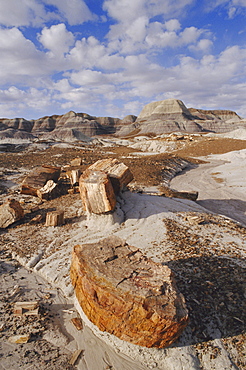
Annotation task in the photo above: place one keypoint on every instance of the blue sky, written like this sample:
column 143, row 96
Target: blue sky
column 111, row 57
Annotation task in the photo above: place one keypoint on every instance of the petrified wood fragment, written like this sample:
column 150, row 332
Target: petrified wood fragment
column 126, row 294
column 38, row 178
column 96, row 192
column 55, row 218
column 48, row 191
column 118, row 172
column 10, row 212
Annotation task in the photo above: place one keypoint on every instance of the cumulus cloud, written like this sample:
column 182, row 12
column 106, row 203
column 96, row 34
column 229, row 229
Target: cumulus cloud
column 16, row 13
column 74, row 11
column 57, row 39
column 125, row 11
column 19, row 57
column 135, row 29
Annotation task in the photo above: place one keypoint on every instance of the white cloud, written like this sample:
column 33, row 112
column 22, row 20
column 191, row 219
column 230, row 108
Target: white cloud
column 203, row 45
column 57, row 39
column 172, row 25
column 19, row 57
column 32, row 99
column 16, row 13
column 74, row 11
column 125, row 11
column 89, row 78
column 86, row 53
column 233, row 6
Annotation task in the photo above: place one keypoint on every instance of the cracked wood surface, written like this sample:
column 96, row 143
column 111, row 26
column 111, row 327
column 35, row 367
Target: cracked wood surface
column 123, row 292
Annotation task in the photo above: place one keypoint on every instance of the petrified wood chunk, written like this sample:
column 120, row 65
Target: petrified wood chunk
column 96, row 192
column 10, row 212
column 38, row 178
column 48, row 191
column 118, row 172
column 55, row 218
column 73, row 176
column 126, row 294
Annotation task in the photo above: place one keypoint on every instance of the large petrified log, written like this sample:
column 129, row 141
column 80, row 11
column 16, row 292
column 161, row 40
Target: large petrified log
column 37, row 179
column 118, row 172
column 96, row 192
column 100, row 184
column 10, row 212
column 126, row 294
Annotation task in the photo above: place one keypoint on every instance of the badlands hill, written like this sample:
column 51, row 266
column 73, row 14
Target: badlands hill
column 158, row 117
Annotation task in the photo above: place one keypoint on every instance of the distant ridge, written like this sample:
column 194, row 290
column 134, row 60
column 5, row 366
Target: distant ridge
column 157, row 117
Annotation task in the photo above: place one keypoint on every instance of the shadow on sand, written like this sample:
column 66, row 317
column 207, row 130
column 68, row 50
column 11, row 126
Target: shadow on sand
column 215, row 290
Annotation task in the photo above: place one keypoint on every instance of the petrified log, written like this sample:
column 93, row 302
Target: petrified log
column 96, row 192
column 38, row 178
column 118, row 172
column 171, row 193
column 48, row 191
column 55, row 218
column 10, row 212
column 126, row 294
column 73, row 176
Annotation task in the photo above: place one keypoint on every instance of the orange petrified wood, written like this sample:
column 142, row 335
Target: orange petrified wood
column 126, row 294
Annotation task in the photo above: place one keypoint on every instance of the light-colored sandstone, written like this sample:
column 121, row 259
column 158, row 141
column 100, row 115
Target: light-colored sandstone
column 169, row 106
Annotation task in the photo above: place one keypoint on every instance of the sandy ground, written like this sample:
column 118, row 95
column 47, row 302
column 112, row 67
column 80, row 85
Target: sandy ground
column 220, row 184
column 207, row 257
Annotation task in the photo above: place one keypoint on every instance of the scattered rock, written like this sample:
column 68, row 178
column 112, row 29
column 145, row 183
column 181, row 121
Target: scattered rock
column 171, row 193
column 73, row 176
column 10, row 212
column 77, row 322
column 26, row 308
column 125, row 293
column 55, row 218
column 75, row 356
column 76, row 162
column 19, row 339
column 48, row 191
column 37, row 179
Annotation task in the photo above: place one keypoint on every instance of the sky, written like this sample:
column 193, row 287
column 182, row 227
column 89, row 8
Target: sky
column 112, row 57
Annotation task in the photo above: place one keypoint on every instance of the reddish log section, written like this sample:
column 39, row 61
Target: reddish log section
column 126, row 294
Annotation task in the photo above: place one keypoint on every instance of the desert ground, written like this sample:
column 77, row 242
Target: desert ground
column 202, row 241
